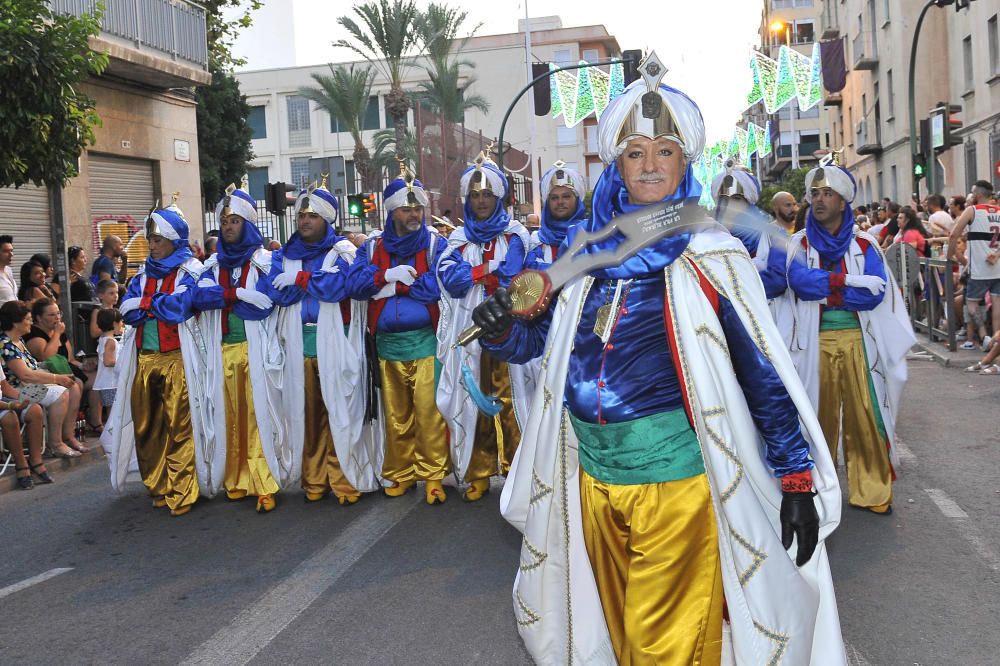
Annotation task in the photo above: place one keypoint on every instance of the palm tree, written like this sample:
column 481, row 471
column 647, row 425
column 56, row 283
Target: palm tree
column 385, row 158
column 438, row 30
column 386, row 41
column 344, row 95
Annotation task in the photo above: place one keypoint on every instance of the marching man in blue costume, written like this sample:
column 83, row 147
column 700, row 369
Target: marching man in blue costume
column 668, row 428
column 161, row 419
column 394, row 275
column 563, row 191
column 321, row 339
column 481, row 256
column 238, row 325
column 848, row 334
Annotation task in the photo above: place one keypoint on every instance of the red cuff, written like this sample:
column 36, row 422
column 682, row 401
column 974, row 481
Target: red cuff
column 229, row 296
column 491, row 282
column 380, row 280
column 302, row 279
column 836, row 297
column 146, row 303
column 799, row 482
column 479, row 272
column 402, row 289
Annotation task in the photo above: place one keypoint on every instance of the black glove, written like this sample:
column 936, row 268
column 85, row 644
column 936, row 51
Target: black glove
column 799, row 519
column 493, row 314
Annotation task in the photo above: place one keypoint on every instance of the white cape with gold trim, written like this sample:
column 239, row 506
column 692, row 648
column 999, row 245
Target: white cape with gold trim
column 779, row 613
column 343, row 381
column 453, row 401
column 267, row 401
column 886, row 330
column 118, row 438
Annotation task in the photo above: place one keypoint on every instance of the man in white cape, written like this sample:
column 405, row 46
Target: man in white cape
column 671, row 455
column 321, row 357
column 238, row 322
column 848, row 332
column 483, row 399
column 161, row 414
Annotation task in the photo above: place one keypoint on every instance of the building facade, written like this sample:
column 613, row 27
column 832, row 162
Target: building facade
column 289, row 131
column 956, row 63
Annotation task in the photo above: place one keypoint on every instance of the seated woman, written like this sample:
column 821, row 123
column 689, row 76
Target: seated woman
column 20, row 368
column 33, row 283
column 48, row 340
column 14, row 413
column 80, row 287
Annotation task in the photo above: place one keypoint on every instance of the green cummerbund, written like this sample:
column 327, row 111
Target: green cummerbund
column 237, row 331
column 838, row 320
column 406, row 345
column 652, row 449
column 309, row 340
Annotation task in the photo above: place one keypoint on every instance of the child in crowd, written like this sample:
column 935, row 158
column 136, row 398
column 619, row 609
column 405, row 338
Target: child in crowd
column 107, row 294
column 110, row 322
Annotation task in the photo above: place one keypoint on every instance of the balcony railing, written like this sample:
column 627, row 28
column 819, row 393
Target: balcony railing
column 171, row 28
column 865, row 54
column 829, row 21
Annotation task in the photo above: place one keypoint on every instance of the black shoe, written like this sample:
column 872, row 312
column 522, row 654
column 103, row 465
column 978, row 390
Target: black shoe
column 43, row 476
column 24, row 482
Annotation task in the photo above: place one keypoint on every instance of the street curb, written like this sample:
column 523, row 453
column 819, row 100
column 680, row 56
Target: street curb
column 948, row 359
column 59, row 468
column 943, row 358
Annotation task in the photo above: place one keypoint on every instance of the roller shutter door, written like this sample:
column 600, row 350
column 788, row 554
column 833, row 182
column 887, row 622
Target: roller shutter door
column 24, row 214
column 121, row 193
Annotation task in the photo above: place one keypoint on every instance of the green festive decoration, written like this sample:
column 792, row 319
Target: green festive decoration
column 775, row 83
column 584, row 95
column 743, row 144
column 554, row 94
column 576, row 96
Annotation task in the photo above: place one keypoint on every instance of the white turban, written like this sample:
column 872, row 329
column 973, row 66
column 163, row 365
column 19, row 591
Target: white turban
column 238, row 201
column 743, row 182
column 690, row 124
column 318, row 200
column 571, row 178
column 495, row 179
column 836, row 178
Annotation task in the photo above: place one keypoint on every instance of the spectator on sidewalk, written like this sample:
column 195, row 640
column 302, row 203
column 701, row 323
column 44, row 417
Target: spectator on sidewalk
column 13, row 413
column 51, row 279
column 955, row 206
column 106, row 382
column 104, row 268
column 81, row 289
column 8, row 285
column 984, row 257
column 912, row 231
column 33, row 284
column 888, row 233
column 988, row 365
column 21, row 368
column 107, row 296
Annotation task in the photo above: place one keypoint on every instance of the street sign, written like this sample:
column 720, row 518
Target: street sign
column 937, row 130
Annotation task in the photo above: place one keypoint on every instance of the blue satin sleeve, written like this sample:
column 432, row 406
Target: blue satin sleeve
column 513, row 262
column 525, row 342
column 175, row 308
column 771, row 407
column 455, row 274
column 137, row 316
column 749, row 238
column 209, row 298
column 859, row 299
column 773, row 277
column 329, row 286
column 425, row 289
column 535, row 259
column 282, row 297
column 361, row 276
column 809, row 284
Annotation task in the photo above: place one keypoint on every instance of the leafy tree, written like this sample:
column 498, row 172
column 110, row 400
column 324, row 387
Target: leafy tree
column 385, row 159
column 792, row 181
column 438, row 29
column 45, row 121
column 386, row 40
column 344, row 95
column 222, row 32
column 223, row 134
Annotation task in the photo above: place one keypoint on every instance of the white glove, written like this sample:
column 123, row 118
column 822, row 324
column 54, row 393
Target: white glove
column 206, row 283
column 385, row 292
column 403, row 273
column 179, row 289
column 872, row 283
column 285, row 279
column 254, row 298
column 129, row 304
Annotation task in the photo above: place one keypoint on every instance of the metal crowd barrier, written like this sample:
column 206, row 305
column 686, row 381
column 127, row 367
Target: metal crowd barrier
column 939, row 295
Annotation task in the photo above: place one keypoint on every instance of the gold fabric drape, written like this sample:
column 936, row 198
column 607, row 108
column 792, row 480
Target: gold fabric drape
column 247, row 472
column 416, row 441
column 321, row 471
column 497, row 437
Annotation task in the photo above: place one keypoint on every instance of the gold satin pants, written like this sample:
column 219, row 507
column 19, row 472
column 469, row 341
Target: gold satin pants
column 497, row 437
column 246, row 467
column 843, row 392
column 161, row 415
column 655, row 553
column 321, row 471
column 416, row 440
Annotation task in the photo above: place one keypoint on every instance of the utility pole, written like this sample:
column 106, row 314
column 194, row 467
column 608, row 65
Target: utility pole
column 535, row 195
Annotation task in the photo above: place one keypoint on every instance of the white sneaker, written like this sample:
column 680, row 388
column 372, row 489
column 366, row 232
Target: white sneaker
column 968, row 344
column 986, row 343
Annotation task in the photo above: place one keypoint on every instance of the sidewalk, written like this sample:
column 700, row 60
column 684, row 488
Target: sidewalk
column 961, row 358
column 60, row 468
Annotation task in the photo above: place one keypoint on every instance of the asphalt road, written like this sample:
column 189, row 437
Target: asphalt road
column 398, row 582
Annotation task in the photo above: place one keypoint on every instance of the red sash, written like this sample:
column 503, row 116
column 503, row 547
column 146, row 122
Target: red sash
column 169, row 339
column 229, row 293
column 383, row 261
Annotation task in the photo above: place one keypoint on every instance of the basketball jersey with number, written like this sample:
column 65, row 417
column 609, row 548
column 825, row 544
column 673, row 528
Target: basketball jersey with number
column 983, row 240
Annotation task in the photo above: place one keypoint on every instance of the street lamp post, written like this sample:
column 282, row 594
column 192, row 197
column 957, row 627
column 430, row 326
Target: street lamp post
column 776, row 28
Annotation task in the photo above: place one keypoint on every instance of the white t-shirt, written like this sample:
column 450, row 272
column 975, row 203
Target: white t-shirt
column 8, row 286
column 107, row 376
column 940, row 223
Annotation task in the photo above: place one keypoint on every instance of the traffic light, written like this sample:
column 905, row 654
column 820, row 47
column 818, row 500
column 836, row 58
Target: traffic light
column 952, row 123
column 355, row 205
column 919, row 166
column 368, row 203
column 275, row 198
column 542, row 90
column 632, row 58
